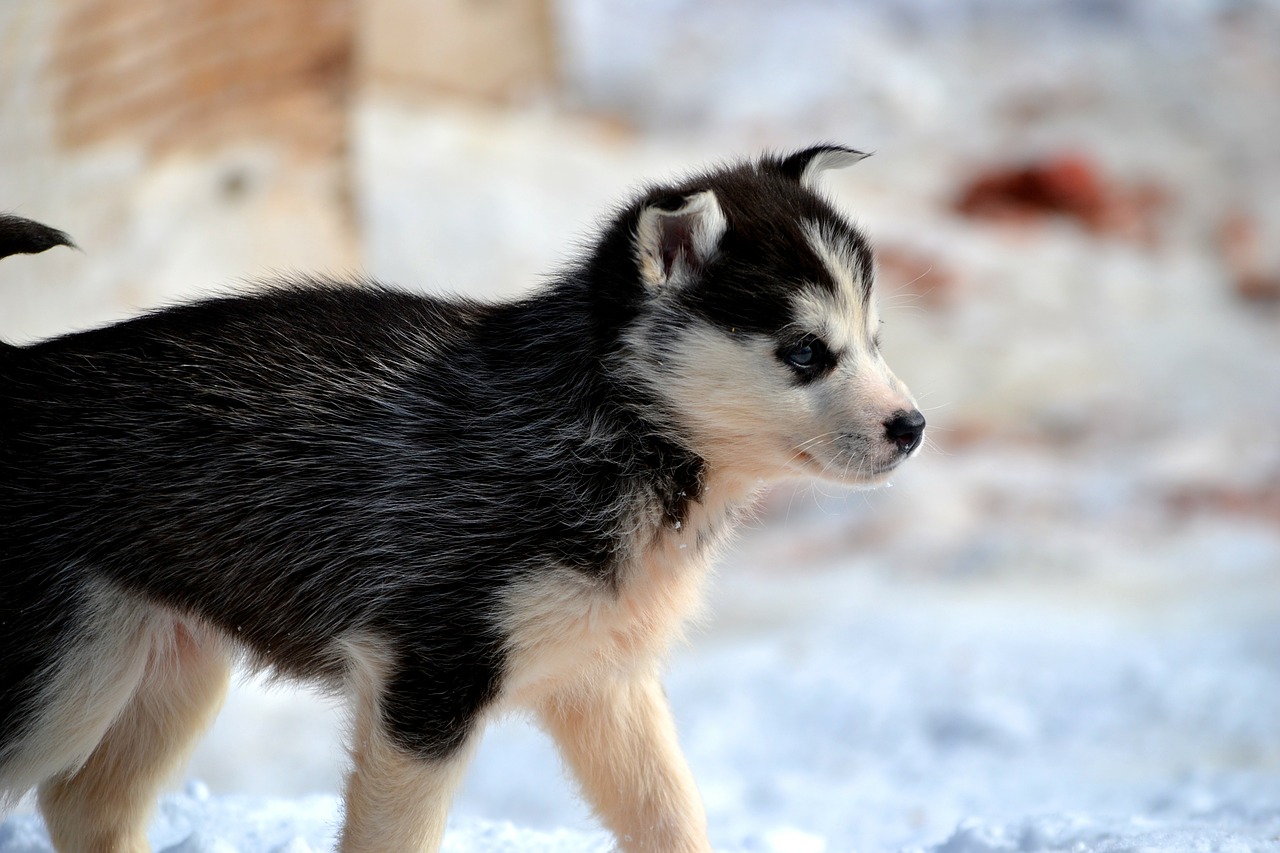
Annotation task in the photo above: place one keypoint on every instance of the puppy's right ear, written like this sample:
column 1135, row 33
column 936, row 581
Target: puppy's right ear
column 20, row 236
column 677, row 237
column 805, row 166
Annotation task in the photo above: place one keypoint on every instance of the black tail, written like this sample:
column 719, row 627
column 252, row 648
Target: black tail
column 20, row 236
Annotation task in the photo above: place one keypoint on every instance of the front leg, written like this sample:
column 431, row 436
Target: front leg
column 416, row 727
column 620, row 740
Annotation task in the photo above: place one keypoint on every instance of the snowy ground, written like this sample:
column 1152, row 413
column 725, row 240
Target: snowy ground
column 1060, row 630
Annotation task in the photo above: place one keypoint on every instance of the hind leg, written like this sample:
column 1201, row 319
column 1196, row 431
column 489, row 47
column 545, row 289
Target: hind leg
column 396, row 800
column 104, row 805
column 411, row 745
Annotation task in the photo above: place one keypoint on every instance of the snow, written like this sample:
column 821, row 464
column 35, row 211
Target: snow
column 1060, row 630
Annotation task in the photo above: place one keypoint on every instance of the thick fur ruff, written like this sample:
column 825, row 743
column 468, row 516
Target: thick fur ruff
column 441, row 508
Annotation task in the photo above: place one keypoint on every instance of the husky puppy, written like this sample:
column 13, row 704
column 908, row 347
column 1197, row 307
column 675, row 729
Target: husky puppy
column 443, row 509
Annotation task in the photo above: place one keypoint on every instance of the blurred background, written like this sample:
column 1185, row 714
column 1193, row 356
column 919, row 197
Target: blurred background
column 1067, row 605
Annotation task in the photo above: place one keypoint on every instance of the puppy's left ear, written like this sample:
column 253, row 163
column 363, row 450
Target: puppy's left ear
column 805, row 166
column 677, row 237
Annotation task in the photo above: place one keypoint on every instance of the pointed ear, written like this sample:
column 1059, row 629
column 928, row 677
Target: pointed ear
column 675, row 239
column 805, row 166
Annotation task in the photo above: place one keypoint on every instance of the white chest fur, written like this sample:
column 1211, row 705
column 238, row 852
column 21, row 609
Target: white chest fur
column 566, row 627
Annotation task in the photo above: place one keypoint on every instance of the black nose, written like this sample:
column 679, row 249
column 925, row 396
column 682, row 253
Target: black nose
column 905, row 430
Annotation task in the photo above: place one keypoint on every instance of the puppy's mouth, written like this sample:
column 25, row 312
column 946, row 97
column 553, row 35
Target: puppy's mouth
column 852, row 471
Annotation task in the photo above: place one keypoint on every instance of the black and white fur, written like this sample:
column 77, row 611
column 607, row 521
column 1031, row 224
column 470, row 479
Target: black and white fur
column 443, row 509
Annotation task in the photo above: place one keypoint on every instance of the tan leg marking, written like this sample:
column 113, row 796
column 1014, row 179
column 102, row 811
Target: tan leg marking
column 104, row 805
column 394, row 801
column 620, row 740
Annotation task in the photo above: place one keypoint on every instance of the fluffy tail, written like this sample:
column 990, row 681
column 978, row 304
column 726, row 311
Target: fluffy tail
column 20, row 236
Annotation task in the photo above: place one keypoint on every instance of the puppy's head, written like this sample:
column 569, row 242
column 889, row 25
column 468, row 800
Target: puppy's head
column 757, row 328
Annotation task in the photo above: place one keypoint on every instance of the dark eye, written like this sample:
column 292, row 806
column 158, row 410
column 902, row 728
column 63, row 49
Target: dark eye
column 807, row 355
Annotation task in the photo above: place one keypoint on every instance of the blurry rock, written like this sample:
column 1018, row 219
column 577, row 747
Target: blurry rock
column 1260, row 503
column 1066, row 185
column 1241, row 247
column 1069, row 185
column 1259, row 287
